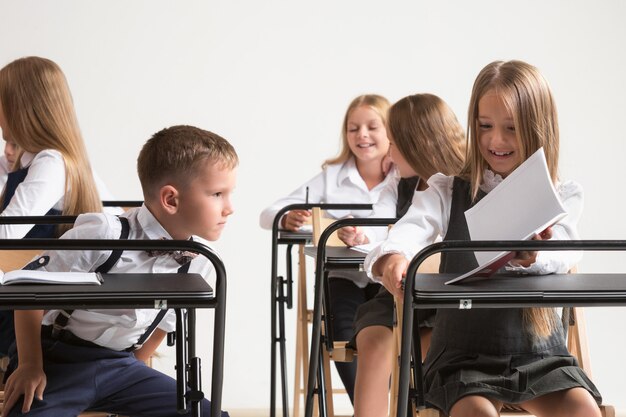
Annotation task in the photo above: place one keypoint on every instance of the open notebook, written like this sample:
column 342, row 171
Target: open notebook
column 22, row 276
column 525, row 203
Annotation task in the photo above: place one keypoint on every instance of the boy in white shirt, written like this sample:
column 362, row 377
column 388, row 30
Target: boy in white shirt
column 187, row 176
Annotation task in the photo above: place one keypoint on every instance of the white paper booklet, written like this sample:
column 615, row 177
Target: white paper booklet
column 22, row 276
column 365, row 248
column 525, row 203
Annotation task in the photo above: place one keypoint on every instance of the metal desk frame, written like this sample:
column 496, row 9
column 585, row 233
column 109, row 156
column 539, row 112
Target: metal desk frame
column 188, row 364
column 518, row 298
column 316, row 383
column 282, row 295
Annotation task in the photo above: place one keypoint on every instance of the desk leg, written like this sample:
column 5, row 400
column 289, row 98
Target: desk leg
column 283, row 348
column 181, row 363
column 302, row 336
column 217, row 377
column 195, row 394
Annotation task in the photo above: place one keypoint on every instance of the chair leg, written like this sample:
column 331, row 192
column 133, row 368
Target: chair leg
column 302, row 336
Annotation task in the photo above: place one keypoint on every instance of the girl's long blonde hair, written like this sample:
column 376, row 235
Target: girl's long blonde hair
column 528, row 98
column 39, row 113
column 427, row 134
column 377, row 103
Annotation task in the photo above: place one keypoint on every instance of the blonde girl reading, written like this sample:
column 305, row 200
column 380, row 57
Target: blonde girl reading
column 478, row 360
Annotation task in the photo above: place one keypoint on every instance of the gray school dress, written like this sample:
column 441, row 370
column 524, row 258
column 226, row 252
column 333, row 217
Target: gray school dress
column 488, row 353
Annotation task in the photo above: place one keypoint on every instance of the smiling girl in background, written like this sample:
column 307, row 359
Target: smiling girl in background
column 357, row 175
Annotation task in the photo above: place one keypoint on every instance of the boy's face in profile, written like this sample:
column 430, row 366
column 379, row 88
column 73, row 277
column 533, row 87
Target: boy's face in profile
column 205, row 203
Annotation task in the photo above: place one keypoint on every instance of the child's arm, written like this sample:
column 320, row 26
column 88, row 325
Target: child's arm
column 150, row 346
column 392, row 268
column 42, row 188
column 316, row 187
column 425, row 220
column 29, row 378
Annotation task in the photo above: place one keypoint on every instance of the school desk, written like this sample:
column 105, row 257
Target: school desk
column 498, row 291
column 141, row 290
column 327, row 259
column 282, row 292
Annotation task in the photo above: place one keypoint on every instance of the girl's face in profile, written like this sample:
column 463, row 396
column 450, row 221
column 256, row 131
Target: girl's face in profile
column 10, row 151
column 497, row 140
column 403, row 166
column 367, row 136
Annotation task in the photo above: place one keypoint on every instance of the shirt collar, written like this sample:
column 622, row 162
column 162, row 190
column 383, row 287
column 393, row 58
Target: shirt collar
column 348, row 171
column 26, row 159
column 490, row 180
column 150, row 225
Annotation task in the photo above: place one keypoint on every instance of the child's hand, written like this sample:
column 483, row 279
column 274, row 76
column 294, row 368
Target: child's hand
column 294, row 219
column 527, row 258
column 352, row 236
column 29, row 381
column 394, row 269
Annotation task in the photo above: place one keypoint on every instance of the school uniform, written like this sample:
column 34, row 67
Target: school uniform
column 476, row 352
column 338, row 183
column 379, row 310
column 36, row 189
column 91, row 365
column 39, row 200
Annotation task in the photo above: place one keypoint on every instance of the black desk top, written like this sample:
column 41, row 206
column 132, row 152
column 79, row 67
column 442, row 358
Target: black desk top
column 508, row 290
column 339, row 257
column 146, row 290
column 286, row 237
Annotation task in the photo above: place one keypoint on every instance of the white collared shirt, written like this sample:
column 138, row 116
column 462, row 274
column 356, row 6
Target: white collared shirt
column 117, row 329
column 338, row 184
column 429, row 215
column 42, row 189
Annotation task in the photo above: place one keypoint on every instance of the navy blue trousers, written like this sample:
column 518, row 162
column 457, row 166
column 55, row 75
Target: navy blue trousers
column 7, row 331
column 100, row 379
column 345, row 299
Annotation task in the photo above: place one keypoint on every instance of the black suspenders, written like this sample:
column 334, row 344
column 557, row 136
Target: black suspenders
column 61, row 320
column 64, row 315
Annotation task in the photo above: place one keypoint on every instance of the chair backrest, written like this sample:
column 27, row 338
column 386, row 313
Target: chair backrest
column 320, row 223
column 11, row 260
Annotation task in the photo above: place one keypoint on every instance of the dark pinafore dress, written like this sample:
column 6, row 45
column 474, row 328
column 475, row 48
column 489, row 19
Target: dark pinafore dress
column 488, row 353
column 379, row 310
column 7, row 331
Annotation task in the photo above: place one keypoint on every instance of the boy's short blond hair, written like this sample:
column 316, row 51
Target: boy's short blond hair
column 175, row 154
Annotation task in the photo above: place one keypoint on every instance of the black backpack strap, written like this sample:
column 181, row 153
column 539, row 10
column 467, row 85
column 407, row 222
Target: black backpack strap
column 64, row 316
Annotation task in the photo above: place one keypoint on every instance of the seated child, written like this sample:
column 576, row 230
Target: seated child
column 187, row 176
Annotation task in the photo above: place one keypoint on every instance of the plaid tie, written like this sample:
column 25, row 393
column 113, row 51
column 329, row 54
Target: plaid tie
column 180, row 256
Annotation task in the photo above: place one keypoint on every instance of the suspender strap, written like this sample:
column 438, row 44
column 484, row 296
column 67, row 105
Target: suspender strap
column 64, row 316
column 182, row 270
column 117, row 253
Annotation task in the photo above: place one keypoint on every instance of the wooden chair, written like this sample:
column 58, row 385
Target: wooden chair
column 340, row 353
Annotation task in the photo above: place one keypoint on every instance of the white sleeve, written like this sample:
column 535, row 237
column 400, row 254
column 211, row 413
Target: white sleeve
column 385, row 207
column 42, row 189
column 559, row 262
column 426, row 219
column 87, row 226
column 317, row 189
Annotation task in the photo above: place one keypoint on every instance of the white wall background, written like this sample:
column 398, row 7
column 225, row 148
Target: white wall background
column 275, row 76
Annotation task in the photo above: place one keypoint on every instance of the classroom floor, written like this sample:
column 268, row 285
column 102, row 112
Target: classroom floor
column 264, row 413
